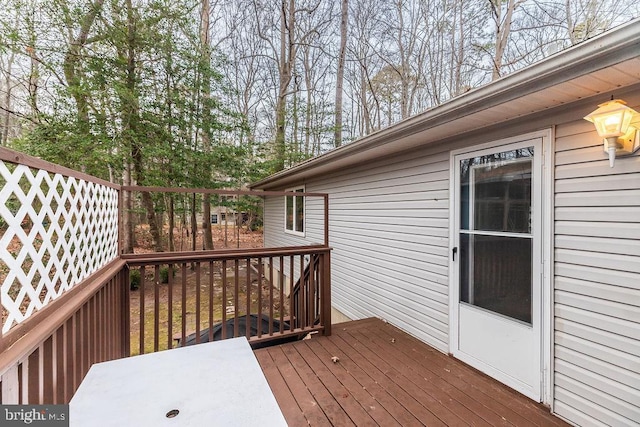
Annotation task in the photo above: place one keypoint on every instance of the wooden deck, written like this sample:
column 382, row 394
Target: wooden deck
column 386, row 377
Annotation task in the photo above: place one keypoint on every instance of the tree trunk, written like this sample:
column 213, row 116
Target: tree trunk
column 460, row 49
column 172, row 223
column 366, row 113
column 294, row 149
column 131, row 131
column 127, row 214
column 34, row 73
column 309, row 99
column 344, row 13
column 503, row 30
column 72, row 74
column 571, row 30
column 6, row 120
column 287, row 58
column 226, row 228
column 171, row 246
column 194, row 222
column 206, row 115
column 147, row 203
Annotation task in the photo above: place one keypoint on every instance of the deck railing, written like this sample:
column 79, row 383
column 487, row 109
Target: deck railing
column 66, row 291
column 213, row 295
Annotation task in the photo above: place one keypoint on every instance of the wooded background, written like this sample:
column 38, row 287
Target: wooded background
column 216, row 94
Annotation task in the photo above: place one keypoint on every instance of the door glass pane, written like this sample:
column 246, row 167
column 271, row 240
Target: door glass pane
column 495, row 274
column 496, row 192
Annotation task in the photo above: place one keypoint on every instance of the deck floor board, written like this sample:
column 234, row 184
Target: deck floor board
column 371, row 378
column 386, row 377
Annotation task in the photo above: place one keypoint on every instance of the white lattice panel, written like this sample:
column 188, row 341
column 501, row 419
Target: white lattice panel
column 56, row 231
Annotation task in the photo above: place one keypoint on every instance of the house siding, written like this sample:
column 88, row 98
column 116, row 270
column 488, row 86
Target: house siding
column 389, row 227
column 276, row 236
column 389, row 232
column 596, row 281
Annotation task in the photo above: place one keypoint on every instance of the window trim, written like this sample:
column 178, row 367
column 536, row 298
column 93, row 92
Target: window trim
column 300, row 189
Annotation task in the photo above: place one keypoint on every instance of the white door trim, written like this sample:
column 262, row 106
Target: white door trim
column 545, row 347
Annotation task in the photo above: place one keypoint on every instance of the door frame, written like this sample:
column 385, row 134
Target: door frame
column 544, row 269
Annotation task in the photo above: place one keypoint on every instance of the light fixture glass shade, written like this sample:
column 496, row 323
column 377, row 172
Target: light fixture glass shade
column 612, row 119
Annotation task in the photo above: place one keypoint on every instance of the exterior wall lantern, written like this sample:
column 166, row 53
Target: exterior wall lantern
column 613, row 123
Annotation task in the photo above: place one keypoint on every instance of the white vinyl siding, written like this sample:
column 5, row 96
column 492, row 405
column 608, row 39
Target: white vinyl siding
column 389, row 233
column 597, row 281
column 275, row 236
column 389, row 223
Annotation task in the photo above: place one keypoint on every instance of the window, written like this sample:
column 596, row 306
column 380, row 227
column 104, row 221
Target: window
column 214, row 218
column 294, row 212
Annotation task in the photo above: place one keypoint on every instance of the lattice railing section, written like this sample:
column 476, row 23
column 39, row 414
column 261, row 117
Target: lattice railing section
column 56, row 231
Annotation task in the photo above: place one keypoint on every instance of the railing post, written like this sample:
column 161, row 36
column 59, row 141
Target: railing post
column 126, row 312
column 326, row 219
column 326, row 292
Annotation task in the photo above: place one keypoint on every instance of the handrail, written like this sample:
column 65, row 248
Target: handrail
column 139, row 259
column 259, row 193
column 303, row 281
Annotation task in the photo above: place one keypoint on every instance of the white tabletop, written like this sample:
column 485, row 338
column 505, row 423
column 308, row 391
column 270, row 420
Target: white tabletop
column 212, row 384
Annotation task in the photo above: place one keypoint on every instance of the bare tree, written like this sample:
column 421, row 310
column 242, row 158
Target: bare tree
column 8, row 83
column 205, row 59
column 344, row 20
column 366, row 24
column 502, row 19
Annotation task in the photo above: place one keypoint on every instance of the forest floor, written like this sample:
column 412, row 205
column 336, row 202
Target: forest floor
column 224, row 237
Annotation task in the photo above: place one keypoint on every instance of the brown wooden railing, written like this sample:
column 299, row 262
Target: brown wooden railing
column 53, row 350
column 305, row 294
column 214, row 295
column 96, row 321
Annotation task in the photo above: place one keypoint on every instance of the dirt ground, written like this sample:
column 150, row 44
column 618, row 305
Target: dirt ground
column 224, row 237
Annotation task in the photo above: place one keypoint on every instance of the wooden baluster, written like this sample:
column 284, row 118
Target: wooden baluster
column 183, row 320
column 281, row 281
column 141, row 293
column 224, row 298
column 302, row 299
column 211, row 298
column 292, row 312
column 312, row 295
column 236, row 284
column 170, row 307
column 156, row 308
column 248, row 313
column 198, row 302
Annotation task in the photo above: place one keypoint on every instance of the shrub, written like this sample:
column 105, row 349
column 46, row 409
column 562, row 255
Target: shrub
column 134, row 279
column 164, row 274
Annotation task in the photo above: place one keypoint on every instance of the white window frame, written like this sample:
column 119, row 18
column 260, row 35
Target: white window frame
column 293, row 231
